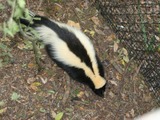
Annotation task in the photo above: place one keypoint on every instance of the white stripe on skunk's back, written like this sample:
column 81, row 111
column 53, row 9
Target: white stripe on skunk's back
column 63, row 54
column 85, row 41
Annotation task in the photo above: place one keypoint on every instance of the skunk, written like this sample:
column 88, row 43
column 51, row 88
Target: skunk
column 71, row 50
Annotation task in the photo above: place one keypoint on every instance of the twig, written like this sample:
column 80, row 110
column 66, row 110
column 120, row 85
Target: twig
column 35, row 49
column 37, row 56
column 40, row 4
column 137, row 70
column 66, row 94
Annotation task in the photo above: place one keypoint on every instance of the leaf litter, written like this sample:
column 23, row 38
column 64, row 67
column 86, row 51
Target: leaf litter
column 50, row 94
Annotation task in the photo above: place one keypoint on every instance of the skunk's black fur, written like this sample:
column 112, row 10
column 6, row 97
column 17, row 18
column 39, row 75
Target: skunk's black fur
column 58, row 38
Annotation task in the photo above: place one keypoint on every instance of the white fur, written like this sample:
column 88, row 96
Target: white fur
column 63, row 54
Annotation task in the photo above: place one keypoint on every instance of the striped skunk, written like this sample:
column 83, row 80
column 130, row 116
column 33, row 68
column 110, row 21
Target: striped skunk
column 71, row 50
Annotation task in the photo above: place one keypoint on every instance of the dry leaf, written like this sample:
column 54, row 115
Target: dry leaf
column 124, row 97
column 111, row 94
column 123, row 62
column 125, row 52
column 115, row 47
column 111, row 37
column 100, row 32
column 113, row 82
column 96, row 20
column 57, row 7
column 3, row 110
column 126, row 59
column 53, row 114
column 5, row 39
column 30, row 80
column 73, row 24
column 21, row 46
column 132, row 113
column 31, row 65
column 80, row 94
column 35, row 86
column 118, row 76
column 91, row 32
column 81, row 108
column 44, row 80
column 157, row 38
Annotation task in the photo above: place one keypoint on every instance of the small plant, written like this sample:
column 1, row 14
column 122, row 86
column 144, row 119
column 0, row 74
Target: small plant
column 11, row 27
column 15, row 96
column 5, row 54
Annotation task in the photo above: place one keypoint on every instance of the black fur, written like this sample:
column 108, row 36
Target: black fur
column 78, row 74
column 76, row 47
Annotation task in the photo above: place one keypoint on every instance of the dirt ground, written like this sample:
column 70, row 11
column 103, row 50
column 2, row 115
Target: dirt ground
column 42, row 95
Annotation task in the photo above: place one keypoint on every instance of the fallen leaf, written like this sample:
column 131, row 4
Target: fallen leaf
column 124, row 97
column 31, row 65
column 126, row 59
column 115, row 47
column 132, row 112
column 30, row 80
column 81, row 108
column 15, row 96
column 78, row 10
column 91, row 32
column 51, row 91
column 42, row 110
column 111, row 94
column 57, row 7
column 100, row 32
column 118, row 76
column 80, row 94
column 123, row 62
column 53, row 114
column 5, row 39
column 113, row 82
column 73, row 24
column 157, row 38
column 35, row 86
column 44, row 80
column 111, row 37
column 2, row 103
column 59, row 116
column 125, row 52
column 21, row 46
column 3, row 110
column 96, row 20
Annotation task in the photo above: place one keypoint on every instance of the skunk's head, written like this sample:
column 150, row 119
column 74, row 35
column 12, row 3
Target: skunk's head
column 100, row 91
column 99, row 86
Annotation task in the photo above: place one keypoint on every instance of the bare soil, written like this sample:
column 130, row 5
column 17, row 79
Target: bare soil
column 44, row 94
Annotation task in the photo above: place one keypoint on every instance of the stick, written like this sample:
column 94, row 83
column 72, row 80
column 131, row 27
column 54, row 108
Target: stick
column 66, row 94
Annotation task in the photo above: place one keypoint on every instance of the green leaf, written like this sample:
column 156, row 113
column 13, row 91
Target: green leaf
column 15, row 96
column 42, row 110
column 28, row 45
column 13, row 26
column 3, row 110
column 51, row 91
column 27, row 15
column 2, row 6
column 1, row 64
column 10, row 2
column 21, row 3
column 59, row 116
column 18, row 13
column 2, row 103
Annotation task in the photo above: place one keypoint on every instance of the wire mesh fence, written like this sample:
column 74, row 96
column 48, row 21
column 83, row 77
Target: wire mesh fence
column 137, row 25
